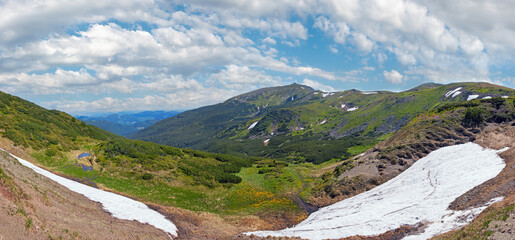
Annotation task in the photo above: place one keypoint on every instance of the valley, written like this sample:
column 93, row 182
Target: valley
column 267, row 159
column 126, row 124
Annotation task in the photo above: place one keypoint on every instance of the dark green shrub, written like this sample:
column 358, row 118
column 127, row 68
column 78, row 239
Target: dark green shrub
column 264, row 170
column 497, row 102
column 228, row 178
column 473, row 117
column 147, row 176
column 50, row 152
column 450, row 106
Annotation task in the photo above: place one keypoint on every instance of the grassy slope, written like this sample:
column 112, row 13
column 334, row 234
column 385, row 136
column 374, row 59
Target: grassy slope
column 34, row 127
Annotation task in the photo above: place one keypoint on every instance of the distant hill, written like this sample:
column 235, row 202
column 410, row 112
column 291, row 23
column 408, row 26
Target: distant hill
column 298, row 123
column 125, row 124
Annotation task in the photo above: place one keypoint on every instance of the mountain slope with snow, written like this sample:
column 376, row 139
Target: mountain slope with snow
column 422, row 193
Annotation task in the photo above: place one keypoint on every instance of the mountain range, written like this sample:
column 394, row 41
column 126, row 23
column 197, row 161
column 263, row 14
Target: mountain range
column 296, row 123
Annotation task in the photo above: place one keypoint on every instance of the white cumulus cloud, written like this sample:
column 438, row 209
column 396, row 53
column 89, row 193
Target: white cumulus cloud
column 393, row 76
column 317, row 85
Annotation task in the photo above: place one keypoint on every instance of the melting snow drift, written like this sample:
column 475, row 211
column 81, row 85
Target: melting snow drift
column 253, row 125
column 453, row 93
column 471, row 97
column 422, row 193
column 119, row 206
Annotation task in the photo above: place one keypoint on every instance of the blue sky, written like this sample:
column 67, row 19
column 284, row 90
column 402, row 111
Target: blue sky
column 86, row 57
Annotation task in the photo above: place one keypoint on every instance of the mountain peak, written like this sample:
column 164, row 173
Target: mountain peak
column 424, row 86
column 274, row 95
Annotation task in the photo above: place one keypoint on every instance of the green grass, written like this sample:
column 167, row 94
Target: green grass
column 355, row 150
column 188, row 198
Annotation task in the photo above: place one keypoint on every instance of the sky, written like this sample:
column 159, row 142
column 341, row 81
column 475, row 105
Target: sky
column 86, row 57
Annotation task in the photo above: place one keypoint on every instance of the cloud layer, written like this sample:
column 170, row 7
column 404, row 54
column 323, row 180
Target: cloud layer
column 85, row 56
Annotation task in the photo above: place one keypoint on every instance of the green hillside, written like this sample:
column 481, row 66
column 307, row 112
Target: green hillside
column 298, row 124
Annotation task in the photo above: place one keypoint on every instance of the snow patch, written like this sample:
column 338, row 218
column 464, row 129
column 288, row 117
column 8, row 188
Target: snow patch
column 343, row 106
column 352, row 109
column 119, row 206
column 266, row 141
column 471, row 97
column 252, row 125
column 327, row 94
column 454, row 220
column 422, row 193
column 487, row 97
column 456, row 94
column 450, row 93
column 322, row 122
column 504, row 96
column 367, row 93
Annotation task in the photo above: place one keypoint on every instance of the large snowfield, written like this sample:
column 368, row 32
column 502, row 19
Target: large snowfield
column 422, row 193
column 119, row 206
